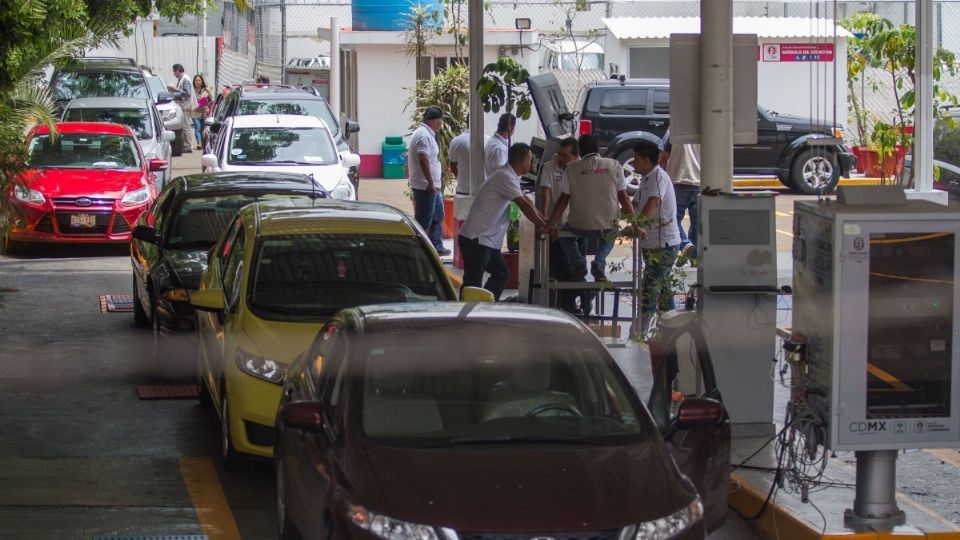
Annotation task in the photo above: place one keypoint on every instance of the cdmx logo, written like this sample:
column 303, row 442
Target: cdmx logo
column 868, row 427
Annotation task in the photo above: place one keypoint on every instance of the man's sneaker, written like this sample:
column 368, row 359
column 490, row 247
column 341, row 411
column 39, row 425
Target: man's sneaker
column 443, row 252
column 597, row 272
column 688, row 251
column 579, row 274
column 187, row 150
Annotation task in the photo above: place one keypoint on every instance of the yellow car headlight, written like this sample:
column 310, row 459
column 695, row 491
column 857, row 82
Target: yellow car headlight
column 261, row 368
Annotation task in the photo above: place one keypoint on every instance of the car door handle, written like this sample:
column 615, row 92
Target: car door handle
column 657, row 123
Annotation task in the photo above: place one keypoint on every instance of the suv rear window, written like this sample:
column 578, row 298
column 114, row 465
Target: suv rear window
column 626, row 102
column 80, row 84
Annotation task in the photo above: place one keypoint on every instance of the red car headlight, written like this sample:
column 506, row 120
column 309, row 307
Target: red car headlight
column 27, row 195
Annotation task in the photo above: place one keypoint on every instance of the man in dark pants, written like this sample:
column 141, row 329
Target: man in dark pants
column 424, row 163
column 482, row 234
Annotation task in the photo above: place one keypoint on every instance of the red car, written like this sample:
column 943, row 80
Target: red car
column 90, row 183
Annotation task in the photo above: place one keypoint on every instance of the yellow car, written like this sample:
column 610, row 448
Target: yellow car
column 280, row 271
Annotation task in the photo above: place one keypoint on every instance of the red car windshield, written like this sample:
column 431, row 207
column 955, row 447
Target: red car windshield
column 83, row 151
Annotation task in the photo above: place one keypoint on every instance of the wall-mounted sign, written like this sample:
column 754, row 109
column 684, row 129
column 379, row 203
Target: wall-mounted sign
column 797, row 52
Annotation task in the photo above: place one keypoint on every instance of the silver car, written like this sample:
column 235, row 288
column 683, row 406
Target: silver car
column 170, row 112
column 137, row 113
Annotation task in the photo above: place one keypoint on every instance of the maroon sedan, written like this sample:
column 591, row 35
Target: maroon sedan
column 478, row 421
column 90, row 183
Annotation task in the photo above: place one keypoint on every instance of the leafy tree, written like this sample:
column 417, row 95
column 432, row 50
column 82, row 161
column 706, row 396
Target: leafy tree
column 503, row 86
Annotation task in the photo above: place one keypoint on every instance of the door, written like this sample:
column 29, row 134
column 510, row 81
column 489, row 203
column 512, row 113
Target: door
column 550, row 105
column 762, row 157
column 683, row 369
column 211, row 324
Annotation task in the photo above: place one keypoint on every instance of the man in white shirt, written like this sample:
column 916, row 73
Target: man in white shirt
column 186, row 98
column 495, row 149
column 423, row 160
column 595, row 190
column 481, row 237
column 660, row 239
column 459, row 155
column 682, row 163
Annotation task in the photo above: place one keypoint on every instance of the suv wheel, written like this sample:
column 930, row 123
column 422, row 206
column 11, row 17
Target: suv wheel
column 633, row 179
column 177, row 144
column 815, row 171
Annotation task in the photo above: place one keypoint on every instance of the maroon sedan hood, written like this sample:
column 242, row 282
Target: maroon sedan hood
column 526, row 488
column 82, row 182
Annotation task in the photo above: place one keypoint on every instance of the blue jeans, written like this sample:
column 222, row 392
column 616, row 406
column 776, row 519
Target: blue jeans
column 198, row 130
column 656, row 285
column 687, row 200
column 578, row 259
column 428, row 212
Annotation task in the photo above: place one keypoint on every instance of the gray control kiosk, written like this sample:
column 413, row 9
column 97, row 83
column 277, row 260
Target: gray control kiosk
column 876, row 305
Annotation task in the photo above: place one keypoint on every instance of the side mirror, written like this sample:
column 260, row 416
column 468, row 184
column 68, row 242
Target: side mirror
column 302, row 415
column 164, row 97
column 215, row 127
column 476, row 294
column 210, row 161
column 699, row 412
column 210, row 299
column 168, row 136
column 146, row 233
column 157, row 164
column 350, row 160
column 351, row 127
column 209, row 121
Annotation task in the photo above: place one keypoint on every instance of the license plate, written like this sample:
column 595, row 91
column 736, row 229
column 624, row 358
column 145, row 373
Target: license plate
column 85, row 221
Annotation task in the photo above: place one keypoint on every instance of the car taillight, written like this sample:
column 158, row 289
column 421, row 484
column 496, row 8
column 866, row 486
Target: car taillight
column 586, row 126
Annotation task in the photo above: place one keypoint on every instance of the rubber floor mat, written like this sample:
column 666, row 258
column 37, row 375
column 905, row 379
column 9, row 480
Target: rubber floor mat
column 167, row 391
column 116, row 303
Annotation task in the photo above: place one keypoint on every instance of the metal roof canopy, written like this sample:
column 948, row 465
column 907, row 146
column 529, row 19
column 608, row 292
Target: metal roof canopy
column 764, row 27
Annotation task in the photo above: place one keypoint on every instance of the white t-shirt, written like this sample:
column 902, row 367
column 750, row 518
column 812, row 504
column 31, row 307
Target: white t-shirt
column 459, row 153
column 657, row 184
column 423, row 141
column 683, row 163
column 551, row 176
column 495, row 151
column 488, row 218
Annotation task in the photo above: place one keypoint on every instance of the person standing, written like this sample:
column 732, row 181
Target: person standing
column 186, row 99
column 660, row 239
column 593, row 187
column 551, row 179
column 459, row 155
column 424, row 162
column 682, row 163
column 495, row 149
column 203, row 109
column 482, row 235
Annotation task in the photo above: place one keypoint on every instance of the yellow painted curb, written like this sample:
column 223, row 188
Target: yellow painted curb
column 213, row 510
column 774, row 183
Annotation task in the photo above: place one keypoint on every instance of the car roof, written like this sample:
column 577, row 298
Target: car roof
column 327, row 216
column 103, row 63
column 109, row 103
column 283, row 90
column 633, row 82
column 391, row 318
column 283, row 120
column 86, row 127
column 239, row 182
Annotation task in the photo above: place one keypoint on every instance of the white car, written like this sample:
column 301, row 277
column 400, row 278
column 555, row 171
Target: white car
column 283, row 143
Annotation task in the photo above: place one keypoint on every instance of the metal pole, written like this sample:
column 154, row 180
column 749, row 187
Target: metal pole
column 923, row 110
column 334, row 86
column 475, row 30
column 716, row 94
column 875, row 504
column 283, row 41
column 203, row 45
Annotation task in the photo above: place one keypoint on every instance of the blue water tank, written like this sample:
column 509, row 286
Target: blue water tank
column 390, row 15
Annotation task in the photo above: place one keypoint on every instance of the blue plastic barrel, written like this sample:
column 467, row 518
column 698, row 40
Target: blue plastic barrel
column 389, row 15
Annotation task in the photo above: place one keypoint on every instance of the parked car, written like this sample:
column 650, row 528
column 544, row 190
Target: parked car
column 90, row 183
column 805, row 154
column 170, row 243
column 278, row 274
column 138, row 114
column 283, row 143
column 478, row 421
column 247, row 99
column 170, row 112
column 97, row 77
column 571, row 55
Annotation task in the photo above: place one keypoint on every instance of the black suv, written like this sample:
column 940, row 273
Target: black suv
column 248, row 99
column 98, row 77
column 620, row 113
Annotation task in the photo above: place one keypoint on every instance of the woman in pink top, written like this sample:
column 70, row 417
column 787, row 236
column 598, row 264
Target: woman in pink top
column 203, row 109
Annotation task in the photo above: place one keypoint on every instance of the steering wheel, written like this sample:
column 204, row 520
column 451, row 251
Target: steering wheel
column 555, row 407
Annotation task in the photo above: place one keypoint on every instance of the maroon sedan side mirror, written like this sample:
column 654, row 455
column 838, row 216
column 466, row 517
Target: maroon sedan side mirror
column 303, row 415
column 157, row 164
column 699, row 412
